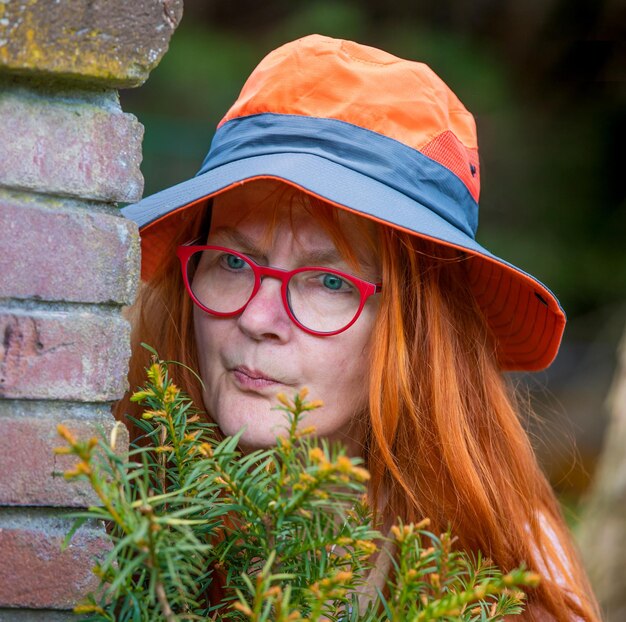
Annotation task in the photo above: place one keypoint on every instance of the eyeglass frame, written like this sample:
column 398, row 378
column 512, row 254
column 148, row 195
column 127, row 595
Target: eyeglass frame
column 366, row 288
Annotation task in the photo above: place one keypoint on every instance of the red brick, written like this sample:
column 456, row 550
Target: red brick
column 114, row 42
column 66, row 253
column 34, row 572
column 67, row 355
column 69, row 147
column 28, row 436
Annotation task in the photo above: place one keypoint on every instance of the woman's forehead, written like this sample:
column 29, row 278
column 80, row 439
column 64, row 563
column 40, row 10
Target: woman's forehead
column 258, row 206
column 263, row 202
column 267, row 209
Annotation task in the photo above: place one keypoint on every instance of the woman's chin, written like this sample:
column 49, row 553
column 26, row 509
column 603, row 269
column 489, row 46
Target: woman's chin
column 252, row 438
column 255, row 420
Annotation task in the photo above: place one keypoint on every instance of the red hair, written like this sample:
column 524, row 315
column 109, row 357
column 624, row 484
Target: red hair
column 444, row 439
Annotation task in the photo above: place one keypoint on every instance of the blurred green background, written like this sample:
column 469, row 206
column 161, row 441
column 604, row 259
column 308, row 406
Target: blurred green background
column 546, row 82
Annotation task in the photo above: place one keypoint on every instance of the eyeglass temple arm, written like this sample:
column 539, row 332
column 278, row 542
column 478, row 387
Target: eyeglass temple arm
column 194, row 242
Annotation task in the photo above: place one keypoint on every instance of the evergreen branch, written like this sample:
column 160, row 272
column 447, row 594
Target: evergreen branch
column 284, row 532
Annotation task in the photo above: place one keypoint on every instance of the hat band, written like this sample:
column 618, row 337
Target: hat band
column 374, row 155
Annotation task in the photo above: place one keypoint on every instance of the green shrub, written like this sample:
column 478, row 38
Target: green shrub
column 285, row 533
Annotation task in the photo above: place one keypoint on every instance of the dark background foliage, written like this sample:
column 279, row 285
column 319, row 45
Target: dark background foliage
column 546, row 81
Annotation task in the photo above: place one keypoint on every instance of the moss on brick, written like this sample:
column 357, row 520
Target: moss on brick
column 115, row 42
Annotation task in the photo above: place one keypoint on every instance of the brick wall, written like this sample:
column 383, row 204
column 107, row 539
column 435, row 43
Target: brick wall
column 68, row 264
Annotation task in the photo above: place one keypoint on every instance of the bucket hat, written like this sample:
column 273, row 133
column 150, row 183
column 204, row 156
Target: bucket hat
column 381, row 137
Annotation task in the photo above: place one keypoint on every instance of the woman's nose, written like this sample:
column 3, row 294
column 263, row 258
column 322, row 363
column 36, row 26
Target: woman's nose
column 265, row 316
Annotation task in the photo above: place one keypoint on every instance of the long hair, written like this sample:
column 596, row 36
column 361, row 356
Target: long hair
column 444, row 438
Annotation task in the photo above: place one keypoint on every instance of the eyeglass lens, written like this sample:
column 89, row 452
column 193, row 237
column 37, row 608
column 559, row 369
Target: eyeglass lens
column 320, row 301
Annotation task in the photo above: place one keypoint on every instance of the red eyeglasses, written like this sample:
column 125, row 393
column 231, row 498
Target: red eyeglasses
column 321, row 301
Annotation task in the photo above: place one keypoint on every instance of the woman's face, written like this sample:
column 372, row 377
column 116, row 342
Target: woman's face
column 246, row 360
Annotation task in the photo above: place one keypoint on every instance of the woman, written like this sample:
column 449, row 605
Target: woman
column 328, row 242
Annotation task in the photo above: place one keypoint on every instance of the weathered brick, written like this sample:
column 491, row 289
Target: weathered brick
column 69, row 355
column 32, row 473
column 57, row 252
column 99, row 41
column 69, row 147
column 34, row 571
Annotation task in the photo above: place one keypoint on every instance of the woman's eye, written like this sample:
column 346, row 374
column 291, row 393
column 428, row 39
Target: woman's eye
column 334, row 282
column 234, row 262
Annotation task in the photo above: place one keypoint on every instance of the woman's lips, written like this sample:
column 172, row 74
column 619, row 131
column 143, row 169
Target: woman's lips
column 253, row 379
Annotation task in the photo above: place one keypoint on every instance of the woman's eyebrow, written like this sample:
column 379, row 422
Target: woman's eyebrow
column 320, row 256
column 329, row 257
column 332, row 257
column 234, row 236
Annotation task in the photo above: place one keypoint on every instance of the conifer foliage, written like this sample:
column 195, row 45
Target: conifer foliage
column 202, row 531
